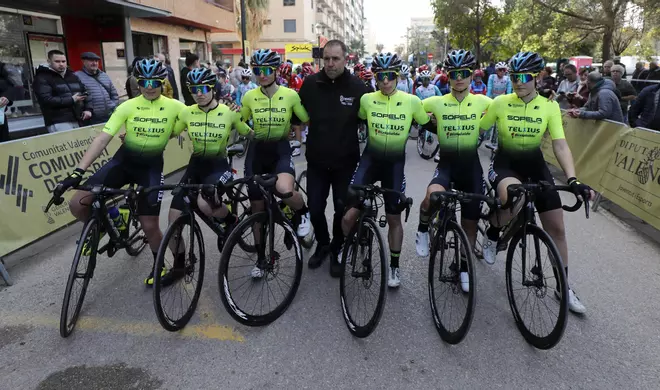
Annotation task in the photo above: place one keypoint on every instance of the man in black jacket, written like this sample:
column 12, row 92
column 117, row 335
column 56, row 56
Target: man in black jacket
column 61, row 94
column 332, row 99
column 5, row 101
column 192, row 62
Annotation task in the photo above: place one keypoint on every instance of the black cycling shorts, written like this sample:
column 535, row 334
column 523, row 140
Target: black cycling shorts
column 467, row 176
column 203, row 171
column 122, row 170
column 272, row 157
column 389, row 173
column 533, row 168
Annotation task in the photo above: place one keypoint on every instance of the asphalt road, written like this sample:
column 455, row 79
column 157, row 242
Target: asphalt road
column 119, row 344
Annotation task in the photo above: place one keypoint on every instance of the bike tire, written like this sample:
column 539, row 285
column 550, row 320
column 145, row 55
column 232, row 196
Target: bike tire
column 243, row 203
column 421, row 140
column 448, row 335
column 301, row 182
column 165, row 320
column 91, row 234
column 362, row 330
column 539, row 236
column 226, row 295
column 138, row 242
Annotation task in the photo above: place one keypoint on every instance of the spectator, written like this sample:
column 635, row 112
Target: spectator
column 192, row 62
column 638, row 75
column 617, row 61
column 607, row 68
column 580, row 98
column 102, row 94
column 170, row 75
column 645, row 110
column 5, row 102
column 568, row 87
column 626, row 90
column 546, row 83
column 603, row 100
column 653, row 74
column 223, row 89
column 490, row 70
column 132, row 89
column 61, row 95
column 235, row 75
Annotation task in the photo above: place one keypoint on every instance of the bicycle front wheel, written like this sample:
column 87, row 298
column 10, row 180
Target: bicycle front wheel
column 82, row 270
column 175, row 304
column 362, row 282
column 257, row 287
column 427, row 145
column 536, row 287
column 451, row 265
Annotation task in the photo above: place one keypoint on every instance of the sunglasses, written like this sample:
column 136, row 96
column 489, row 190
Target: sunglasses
column 153, row 83
column 265, row 70
column 204, row 89
column 464, row 73
column 522, row 77
column 381, row 76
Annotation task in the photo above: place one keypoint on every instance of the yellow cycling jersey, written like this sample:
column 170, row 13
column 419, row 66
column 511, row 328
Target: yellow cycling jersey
column 210, row 131
column 272, row 116
column 388, row 120
column 149, row 124
column 521, row 126
column 458, row 122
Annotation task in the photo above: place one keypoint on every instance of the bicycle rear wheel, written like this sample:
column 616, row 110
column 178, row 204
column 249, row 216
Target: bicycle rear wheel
column 427, row 145
column 532, row 284
column 452, row 308
column 180, row 237
column 84, row 262
column 362, row 282
column 301, row 186
column 250, row 280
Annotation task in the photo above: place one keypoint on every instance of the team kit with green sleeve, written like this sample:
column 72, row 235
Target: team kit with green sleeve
column 149, row 126
column 209, row 133
column 389, row 119
column 272, row 118
column 458, row 135
column 521, row 129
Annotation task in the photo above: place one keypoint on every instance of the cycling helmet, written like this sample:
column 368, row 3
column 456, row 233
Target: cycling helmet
column 201, row 76
column 386, row 61
column 285, row 68
column 444, row 79
column 265, row 57
column 405, row 70
column 358, row 68
column 150, row 69
column 526, row 61
column 479, row 73
column 246, row 73
column 425, row 74
column 460, row 59
column 366, row 75
column 502, row 65
column 423, row 68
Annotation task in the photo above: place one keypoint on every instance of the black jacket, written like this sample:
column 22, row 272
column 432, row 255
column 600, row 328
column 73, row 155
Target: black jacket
column 187, row 96
column 645, row 108
column 333, row 107
column 55, row 95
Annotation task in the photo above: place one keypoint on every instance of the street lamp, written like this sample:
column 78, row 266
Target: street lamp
column 243, row 28
column 318, row 27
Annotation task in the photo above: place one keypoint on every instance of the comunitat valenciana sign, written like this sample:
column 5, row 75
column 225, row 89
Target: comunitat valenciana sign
column 30, row 168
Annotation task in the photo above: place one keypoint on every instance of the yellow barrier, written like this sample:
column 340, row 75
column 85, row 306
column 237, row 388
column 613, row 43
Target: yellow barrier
column 31, row 167
column 621, row 163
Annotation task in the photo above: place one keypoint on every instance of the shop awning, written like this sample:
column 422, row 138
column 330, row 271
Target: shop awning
column 89, row 8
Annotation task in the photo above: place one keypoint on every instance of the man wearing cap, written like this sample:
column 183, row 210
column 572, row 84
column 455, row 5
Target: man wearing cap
column 102, row 94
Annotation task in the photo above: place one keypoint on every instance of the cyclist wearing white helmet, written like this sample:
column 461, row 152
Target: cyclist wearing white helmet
column 405, row 83
column 499, row 83
column 427, row 89
column 245, row 85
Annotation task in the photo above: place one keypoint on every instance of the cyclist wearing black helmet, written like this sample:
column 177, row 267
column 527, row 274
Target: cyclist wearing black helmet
column 389, row 114
column 272, row 108
column 522, row 119
column 457, row 115
column 149, row 121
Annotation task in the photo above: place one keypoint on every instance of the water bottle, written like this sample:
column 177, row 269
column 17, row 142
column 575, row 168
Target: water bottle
column 116, row 218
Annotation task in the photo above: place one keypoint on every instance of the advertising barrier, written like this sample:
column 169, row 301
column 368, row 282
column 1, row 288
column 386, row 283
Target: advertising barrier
column 620, row 162
column 31, row 167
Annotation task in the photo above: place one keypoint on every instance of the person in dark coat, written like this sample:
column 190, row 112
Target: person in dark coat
column 192, row 62
column 61, row 95
column 645, row 110
column 5, row 102
column 170, row 75
column 103, row 95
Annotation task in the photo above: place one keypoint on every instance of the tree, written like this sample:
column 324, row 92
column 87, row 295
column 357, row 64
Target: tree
column 379, row 47
column 256, row 12
column 356, row 46
column 400, row 50
column 419, row 43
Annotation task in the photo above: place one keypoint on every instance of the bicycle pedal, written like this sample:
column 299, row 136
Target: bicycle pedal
column 382, row 221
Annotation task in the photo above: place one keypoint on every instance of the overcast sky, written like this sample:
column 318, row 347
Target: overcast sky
column 389, row 20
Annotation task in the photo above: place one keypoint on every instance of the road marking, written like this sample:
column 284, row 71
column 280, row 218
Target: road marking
column 136, row 328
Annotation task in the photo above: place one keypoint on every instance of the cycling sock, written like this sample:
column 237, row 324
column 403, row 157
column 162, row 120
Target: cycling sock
column 423, row 221
column 394, row 259
column 493, row 233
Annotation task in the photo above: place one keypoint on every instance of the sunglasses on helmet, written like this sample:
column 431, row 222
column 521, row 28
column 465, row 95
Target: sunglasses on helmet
column 195, row 89
column 390, row 75
column 522, row 77
column 153, row 83
column 265, row 70
column 464, row 73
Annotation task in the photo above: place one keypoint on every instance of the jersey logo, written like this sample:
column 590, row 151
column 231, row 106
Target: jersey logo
column 219, row 114
column 451, row 105
column 346, row 101
column 398, row 104
column 162, row 109
column 516, row 105
column 379, row 103
column 537, row 107
column 281, row 98
column 469, row 104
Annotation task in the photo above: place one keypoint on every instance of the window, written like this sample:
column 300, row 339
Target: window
column 267, row 22
column 288, row 3
column 289, row 25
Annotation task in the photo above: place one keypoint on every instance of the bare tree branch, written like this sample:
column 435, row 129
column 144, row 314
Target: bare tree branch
column 564, row 12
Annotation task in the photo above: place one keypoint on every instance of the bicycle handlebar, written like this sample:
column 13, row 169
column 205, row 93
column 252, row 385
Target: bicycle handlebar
column 546, row 186
column 370, row 190
column 441, row 196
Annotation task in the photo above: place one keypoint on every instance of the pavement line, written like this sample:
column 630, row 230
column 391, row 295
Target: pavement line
column 133, row 328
